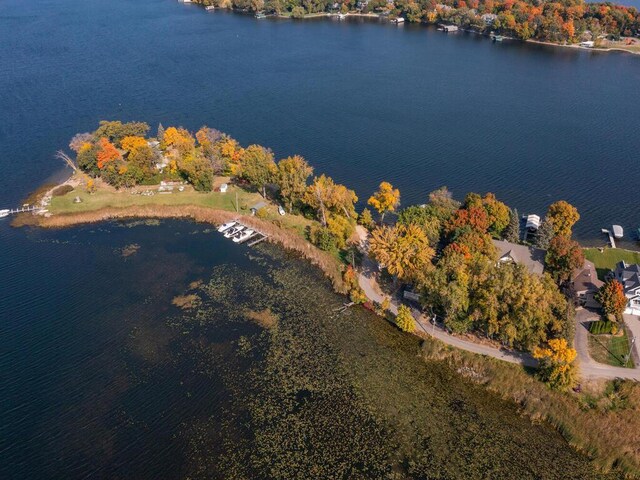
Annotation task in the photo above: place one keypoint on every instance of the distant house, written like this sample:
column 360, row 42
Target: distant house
column 629, row 276
column 586, row 284
column 531, row 258
column 489, row 18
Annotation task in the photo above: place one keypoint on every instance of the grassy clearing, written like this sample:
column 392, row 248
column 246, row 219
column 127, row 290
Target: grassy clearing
column 610, row 350
column 606, row 260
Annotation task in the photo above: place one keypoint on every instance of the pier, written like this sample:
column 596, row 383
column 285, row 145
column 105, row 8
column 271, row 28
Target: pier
column 612, row 240
column 24, row 209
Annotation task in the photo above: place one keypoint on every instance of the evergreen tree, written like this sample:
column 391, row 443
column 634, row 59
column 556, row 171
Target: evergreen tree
column 160, row 134
column 544, row 235
column 512, row 232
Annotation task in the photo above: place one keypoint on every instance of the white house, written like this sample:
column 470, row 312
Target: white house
column 629, row 276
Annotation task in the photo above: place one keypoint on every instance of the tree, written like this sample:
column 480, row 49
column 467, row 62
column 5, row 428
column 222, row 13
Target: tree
column 556, row 363
column 497, row 212
column 365, row 219
column 324, row 195
column 116, row 131
column 258, row 167
column 563, row 257
column 425, row 218
column 180, row 139
column 341, row 228
column 403, row 250
column 106, row 153
column 442, row 204
column 562, row 216
column 405, row 320
column 292, row 175
column 143, row 157
column 612, row 298
column 133, row 142
column 386, row 199
column 79, row 140
column 160, row 134
column 544, row 235
column 512, row 232
column 198, row 171
column 87, row 159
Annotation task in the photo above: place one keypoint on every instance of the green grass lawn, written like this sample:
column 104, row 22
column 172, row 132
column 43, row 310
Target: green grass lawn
column 610, row 350
column 607, row 259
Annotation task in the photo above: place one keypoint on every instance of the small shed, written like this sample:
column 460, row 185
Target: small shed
column 223, row 188
column 257, row 206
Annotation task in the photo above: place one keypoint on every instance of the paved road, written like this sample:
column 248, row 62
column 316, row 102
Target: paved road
column 587, row 366
column 369, row 284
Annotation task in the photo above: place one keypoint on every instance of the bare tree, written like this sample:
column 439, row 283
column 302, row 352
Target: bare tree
column 68, row 161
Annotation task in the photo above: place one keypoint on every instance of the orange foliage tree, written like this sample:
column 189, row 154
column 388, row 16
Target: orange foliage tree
column 107, row 152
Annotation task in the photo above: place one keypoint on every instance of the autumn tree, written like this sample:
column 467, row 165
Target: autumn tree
column 366, row 219
column 612, row 298
column 562, row 216
column 258, row 167
column 386, row 199
column 563, row 257
column 324, row 196
column 197, row 171
column 180, row 139
column 133, row 142
column 498, row 213
column 106, row 153
column 116, row 131
column 405, row 320
column 291, row 177
column 79, row 140
column 423, row 217
column 512, row 232
column 87, row 159
column 403, row 250
column 556, row 363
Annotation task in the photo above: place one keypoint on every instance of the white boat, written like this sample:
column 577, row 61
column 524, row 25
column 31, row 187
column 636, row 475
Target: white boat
column 618, row 232
column 341, row 16
column 210, row 8
column 243, row 236
column 281, row 210
column 233, row 231
column 226, row 226
column 4, row 212
column 260, row 15
column 398, row 20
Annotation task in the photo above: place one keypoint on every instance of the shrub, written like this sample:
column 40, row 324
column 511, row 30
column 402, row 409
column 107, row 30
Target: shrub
column 603, row 327
column 298, row 12
column 62, row 190
column 322, row 238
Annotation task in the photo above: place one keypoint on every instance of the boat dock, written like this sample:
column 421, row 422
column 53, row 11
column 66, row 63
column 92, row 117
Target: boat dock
column 24, row 209
column 612, row 240
column 239, row 233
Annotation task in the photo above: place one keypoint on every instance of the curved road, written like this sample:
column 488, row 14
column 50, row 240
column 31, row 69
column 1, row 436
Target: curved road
column 587, row 366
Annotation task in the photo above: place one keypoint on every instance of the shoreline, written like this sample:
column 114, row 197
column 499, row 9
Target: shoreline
column 319, row 15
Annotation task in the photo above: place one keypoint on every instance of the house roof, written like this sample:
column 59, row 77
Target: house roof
column 585, row 279
column 628, row 275
column 531, row 258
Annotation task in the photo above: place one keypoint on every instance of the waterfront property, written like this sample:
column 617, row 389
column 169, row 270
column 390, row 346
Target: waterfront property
column 586, row 284
column 531, row 258
column 629, row 276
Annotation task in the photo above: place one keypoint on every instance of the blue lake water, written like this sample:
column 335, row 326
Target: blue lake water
column 96, row 379
column 362, row 101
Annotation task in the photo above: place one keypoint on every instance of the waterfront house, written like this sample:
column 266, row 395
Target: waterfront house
column 489, row 18
column 629, row 276
column 586, row 284
column 531, row 258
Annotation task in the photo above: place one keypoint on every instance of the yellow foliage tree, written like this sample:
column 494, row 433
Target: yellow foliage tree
column 405, row 320
column 179, row 138
column 386, row 199
column 131, row 143
column 556, row 363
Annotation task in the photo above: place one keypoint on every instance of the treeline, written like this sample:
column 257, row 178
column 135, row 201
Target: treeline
column 559, row 21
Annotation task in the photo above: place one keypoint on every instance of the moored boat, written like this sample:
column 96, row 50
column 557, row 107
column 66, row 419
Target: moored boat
column 618, row 232
column 233, row 231
column 226, row 226
column 243, row 236
column 4, row 212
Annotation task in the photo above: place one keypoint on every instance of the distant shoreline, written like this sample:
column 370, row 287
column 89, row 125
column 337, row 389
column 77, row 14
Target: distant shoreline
column 318, row 15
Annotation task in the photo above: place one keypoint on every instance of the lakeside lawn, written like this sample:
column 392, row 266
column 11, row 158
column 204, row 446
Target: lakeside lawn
column 610, row 350
column 607, row 259
column 105, row 197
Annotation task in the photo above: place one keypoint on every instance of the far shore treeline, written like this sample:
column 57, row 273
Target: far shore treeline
column 443, row 249
column 564, row 21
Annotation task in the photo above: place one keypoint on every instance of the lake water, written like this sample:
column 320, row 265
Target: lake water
column 102, row 376
column 362, row 101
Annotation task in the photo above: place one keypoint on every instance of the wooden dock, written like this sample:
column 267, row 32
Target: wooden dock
column 612, row 240
column 25, row 209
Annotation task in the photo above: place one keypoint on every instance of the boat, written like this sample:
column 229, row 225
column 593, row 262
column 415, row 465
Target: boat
column 210, row 8
column 243, row 236
column 281, row 210
column 498, row 38
column 398, row 20
column 226, row 226
column 618, row 232
column 341, row 16
column 4, row 212
column 233, row 231
column 260, row 15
